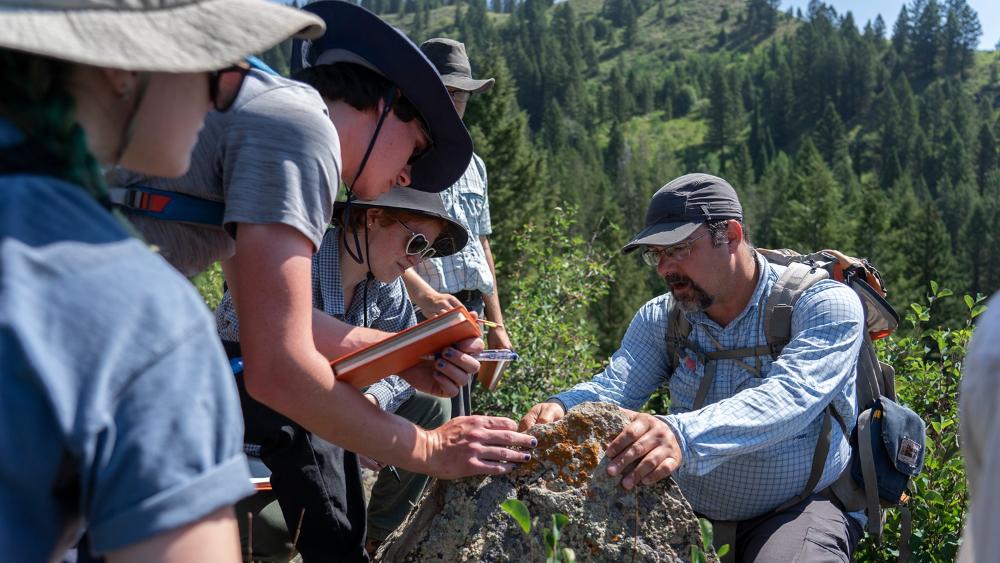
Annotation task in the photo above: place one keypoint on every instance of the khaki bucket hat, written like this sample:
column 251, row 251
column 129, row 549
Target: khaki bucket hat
column 151, row 35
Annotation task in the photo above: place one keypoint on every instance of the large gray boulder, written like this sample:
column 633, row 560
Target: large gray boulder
column 462, row 520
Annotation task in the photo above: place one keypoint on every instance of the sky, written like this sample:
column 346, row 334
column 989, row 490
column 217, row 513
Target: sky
column 864, row 10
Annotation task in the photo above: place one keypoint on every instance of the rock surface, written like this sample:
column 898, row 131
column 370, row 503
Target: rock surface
column 462, row 520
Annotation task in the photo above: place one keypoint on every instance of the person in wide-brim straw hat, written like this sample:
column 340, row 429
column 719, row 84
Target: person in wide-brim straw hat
column 119, row 415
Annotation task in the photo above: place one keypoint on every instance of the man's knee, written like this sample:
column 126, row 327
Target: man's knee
column 815, row 530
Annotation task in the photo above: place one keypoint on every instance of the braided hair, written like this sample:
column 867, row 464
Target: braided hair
column 33, row 96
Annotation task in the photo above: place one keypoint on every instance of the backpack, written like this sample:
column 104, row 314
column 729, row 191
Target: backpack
column 887, row 444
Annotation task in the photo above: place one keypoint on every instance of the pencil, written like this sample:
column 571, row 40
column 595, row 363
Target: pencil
column 490, row 324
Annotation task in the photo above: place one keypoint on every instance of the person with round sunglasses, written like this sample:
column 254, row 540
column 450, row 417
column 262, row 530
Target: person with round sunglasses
column 118, row 413
column 400, row 229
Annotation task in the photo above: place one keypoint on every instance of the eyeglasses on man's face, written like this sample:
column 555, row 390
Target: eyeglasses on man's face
column 418, row 245
column 676, row 252
column 460, row 96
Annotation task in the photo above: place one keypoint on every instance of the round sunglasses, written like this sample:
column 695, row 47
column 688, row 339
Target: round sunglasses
column 418, row 245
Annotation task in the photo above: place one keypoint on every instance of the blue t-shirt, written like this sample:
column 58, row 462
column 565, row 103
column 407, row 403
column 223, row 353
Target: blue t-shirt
column 118, row 412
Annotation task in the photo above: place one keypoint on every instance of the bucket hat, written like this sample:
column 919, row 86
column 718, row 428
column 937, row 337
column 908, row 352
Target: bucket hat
column 679, row 207
column 449, row 58
column 451, row 240
column 355, row 35
column 148, row 35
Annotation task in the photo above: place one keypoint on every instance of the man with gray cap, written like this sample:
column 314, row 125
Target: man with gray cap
column 469, row 277
column 740, row 444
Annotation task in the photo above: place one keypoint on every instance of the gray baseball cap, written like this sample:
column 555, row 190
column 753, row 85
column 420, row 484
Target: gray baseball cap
column 452, row 63
column 678, row 208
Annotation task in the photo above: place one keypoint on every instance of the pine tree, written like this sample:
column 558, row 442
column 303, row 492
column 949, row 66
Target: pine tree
column 986, row 158
column 901, row 33
column 517, row 178
column 925, row 37
column 812, row 215
column 722, row 111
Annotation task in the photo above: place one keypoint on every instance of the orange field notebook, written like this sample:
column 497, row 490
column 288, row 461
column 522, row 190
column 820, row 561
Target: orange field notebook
column 405, row 349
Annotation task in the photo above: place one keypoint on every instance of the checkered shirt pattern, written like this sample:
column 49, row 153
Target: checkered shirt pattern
column 389, row 310
column 750, row 448
column 468, row 203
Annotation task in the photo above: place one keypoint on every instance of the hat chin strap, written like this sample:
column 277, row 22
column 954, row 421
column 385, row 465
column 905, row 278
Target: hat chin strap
column 355, row 253
column 129, row 129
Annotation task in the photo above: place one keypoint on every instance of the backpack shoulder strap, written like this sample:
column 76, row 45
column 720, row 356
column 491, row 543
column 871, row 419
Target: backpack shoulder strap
column 795, row 280
column 676, row 339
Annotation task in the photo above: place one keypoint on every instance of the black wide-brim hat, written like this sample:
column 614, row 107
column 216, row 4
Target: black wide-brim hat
column 452, row 239
column 355, row 35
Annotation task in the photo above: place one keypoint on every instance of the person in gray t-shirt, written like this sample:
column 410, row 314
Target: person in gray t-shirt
column 384, row 104
column 117, row 411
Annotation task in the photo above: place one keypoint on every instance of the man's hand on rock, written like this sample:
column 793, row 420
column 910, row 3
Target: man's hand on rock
column 448, row 371
column 541, row 414
column 650, row 440
column 475, row 445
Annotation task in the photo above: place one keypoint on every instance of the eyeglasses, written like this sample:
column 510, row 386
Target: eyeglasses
column 418, row 245
column 224, row 85
column 459, row 95
column 676, row 252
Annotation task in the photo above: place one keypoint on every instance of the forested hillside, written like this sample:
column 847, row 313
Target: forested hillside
column 877, row 139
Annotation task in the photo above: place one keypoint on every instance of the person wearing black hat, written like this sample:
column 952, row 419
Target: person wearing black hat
column 741, row 447
column 404, row 227
column 272, row 167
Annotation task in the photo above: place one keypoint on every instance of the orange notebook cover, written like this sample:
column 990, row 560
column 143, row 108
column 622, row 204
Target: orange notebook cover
column 405, row 349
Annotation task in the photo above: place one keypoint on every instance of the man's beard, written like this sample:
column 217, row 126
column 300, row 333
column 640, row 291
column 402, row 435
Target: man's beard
column 693, row 298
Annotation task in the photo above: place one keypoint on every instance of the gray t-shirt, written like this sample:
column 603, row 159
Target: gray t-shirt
column 118, row 410
column 274, row 157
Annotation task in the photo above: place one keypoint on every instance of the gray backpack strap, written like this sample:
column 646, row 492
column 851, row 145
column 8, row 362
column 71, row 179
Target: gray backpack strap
column 678, row 330
column 819, row 455
column 796, row 279
column 711, row 363
column 867, row 456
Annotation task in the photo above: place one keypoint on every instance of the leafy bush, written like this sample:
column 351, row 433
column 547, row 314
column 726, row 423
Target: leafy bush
column 928, row 359
column 209, row 284
column 557, row 277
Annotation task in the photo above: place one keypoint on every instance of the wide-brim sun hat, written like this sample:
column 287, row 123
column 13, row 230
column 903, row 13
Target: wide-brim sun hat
column 452, row 63
column 682, row 205
column 355, row 35
column 452, row 239
column 143, row 35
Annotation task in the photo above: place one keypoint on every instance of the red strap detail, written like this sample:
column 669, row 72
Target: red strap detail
column 153, row 202
column 157, row 203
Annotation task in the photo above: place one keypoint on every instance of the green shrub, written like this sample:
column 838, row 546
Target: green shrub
column 209, row 284
column 551, row 286
column 928, row 359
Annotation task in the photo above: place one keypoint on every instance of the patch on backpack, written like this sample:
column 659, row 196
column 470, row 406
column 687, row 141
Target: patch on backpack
column 909, row 452
column 690, row 363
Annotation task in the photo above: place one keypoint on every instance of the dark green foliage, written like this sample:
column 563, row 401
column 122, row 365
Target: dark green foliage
column 928, row 358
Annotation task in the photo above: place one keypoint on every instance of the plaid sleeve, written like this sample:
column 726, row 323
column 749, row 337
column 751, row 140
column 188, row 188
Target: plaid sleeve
column 636, row 370
column 390, row 392
column 396, row 315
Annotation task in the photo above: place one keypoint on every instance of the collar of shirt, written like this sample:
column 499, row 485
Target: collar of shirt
column 328, row 268
column 764, row 282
